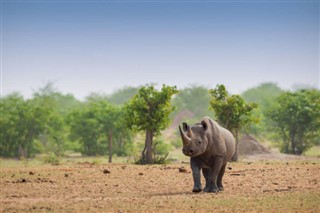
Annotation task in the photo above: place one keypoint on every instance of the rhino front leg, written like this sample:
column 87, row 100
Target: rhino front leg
column 195, row 167
column 214, row 174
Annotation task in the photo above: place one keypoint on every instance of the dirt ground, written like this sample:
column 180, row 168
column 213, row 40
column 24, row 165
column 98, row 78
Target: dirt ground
column 250, row 186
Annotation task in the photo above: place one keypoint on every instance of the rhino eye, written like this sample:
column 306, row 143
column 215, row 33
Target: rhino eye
column 199, row 142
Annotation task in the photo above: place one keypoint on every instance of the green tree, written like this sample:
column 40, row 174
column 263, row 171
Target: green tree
column 232, row 111
column 98, row 125
column 297, row 119
column 85, row 128
column 265, row 96
column 123, row 95
column 22, row 122
column 53, row 136
column 10, row 108
column 118, row 134
column 149, row 111
column 63, row 103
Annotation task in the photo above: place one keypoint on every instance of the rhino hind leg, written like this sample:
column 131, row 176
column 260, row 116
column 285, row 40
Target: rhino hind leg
column 206, row 174
column 220, row 176
column 215, row 174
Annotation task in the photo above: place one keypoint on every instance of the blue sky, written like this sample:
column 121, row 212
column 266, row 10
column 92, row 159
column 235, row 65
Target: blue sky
column 101, row 46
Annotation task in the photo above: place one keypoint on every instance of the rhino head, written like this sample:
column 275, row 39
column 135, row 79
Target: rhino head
column 194, row 139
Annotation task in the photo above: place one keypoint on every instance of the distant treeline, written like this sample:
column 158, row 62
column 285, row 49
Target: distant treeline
column 53, row 122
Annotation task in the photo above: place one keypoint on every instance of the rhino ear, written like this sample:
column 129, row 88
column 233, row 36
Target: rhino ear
column 185, row 126
column 204, row 125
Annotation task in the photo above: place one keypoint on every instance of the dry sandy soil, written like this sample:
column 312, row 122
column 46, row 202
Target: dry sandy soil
column 250, row 186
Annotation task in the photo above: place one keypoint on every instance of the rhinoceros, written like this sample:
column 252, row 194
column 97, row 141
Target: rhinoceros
column 209, row 147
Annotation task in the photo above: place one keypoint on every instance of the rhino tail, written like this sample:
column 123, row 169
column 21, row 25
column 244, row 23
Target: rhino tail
column 234, row 157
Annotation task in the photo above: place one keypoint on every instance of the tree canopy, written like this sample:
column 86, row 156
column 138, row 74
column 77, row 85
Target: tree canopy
column 95, row 125
column 265, row 96
column 24, row 121
column 297, row 120
column 123, row 95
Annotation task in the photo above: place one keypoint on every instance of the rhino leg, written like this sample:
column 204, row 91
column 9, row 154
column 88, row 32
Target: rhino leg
column 219, row 181
column 215, row 170
column 206, row 174
column 196, row 167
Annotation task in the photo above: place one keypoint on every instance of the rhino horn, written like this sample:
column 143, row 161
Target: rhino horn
column 185, row 139
column 190, row 133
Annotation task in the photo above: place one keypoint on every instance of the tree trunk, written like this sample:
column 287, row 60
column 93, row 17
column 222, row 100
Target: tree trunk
column 293, row 143
column 147, row 156
column 154, row 150
column 285, row 141
column 293, row 148
column 235, row 156
column 121, row 142
column 110, row 145
column 22, row 152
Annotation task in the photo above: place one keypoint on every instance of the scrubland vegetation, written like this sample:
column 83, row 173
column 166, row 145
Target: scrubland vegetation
column 54, row 124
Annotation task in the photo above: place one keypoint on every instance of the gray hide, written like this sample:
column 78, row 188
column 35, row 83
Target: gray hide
column 209, row 147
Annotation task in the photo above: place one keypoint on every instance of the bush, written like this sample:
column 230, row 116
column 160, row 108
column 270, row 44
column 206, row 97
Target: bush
column 52, row 159
column 160, row 147
column 160, row 152
column 161, row 159
column 156, row 160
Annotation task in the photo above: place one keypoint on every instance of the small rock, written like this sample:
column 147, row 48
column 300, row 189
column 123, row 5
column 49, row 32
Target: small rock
column 31, row 173
column 181, row 169
column 140, row 173
column 66, row 175
column 22, row 180
column 106, row 171
column 281, row 190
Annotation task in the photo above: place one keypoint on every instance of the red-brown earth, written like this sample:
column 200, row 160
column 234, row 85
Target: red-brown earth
column 250, row 186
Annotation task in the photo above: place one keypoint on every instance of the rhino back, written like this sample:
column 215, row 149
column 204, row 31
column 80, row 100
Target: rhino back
column 221, row 140
column 229, row 143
